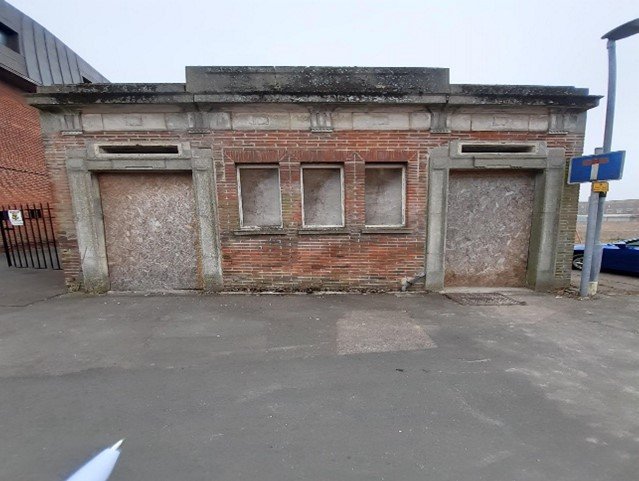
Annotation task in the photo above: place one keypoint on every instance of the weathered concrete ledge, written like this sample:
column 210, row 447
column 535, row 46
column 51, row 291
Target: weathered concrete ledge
column 316, row 80
column 314, row 85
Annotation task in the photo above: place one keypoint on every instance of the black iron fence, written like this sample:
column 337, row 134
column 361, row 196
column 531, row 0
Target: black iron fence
column 28, row 237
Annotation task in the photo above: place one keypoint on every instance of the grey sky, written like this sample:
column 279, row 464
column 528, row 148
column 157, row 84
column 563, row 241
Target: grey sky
column 554, row 42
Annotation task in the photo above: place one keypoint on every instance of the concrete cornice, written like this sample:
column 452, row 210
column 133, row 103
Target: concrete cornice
column 312, row 85
column 76, row 99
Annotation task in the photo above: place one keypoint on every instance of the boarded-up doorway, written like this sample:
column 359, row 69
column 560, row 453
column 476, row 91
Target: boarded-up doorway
column 488, row 228
column 150, row 231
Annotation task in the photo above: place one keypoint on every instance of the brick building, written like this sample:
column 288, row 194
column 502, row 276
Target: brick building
column 29, row 56
column 313, row 178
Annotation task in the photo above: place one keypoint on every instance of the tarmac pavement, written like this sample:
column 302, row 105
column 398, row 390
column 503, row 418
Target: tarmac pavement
column 611, row 284
column 21, row 287
column 321, row 387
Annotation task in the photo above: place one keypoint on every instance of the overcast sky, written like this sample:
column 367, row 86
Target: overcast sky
column 549, row 42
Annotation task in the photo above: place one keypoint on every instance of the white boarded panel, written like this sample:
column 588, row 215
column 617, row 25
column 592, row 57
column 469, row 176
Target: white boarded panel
column 323, row 205
column 260, row 200
column 384, row 196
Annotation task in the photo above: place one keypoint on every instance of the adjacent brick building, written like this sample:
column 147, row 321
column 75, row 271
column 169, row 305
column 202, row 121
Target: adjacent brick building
column 294, row 178
column 29, row 56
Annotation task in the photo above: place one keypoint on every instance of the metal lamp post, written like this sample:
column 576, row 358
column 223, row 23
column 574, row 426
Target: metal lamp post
column 593, row 249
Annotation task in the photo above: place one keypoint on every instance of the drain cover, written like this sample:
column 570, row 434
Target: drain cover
column 483, row 299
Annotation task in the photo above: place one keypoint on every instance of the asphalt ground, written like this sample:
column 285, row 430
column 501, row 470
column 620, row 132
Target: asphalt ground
column 320, row 387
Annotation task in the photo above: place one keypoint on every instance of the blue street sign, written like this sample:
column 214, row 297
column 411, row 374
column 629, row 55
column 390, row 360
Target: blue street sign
column 590, row 168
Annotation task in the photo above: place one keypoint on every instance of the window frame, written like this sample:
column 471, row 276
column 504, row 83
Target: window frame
column 13, row 38
column 397, row 165
column 339, row 167
column 239, row 168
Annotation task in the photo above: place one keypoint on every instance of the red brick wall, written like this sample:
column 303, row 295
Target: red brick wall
column 298, row 261
column 23, row 175
column 352, row 259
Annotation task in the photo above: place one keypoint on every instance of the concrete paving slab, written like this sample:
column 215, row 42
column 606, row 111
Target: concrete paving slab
column 380, row 331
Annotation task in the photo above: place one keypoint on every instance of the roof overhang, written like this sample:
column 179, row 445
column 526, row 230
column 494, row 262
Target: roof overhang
column 17, row 80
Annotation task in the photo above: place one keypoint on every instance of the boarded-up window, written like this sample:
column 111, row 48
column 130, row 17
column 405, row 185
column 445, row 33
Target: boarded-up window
column 385, row 195
column 260, row 200
column 322, row 199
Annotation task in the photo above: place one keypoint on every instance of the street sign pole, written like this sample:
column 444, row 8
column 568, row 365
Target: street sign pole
column 597, row 252
column 597, row 170
column 607, row 146
column 603, row 166
column 593, row 205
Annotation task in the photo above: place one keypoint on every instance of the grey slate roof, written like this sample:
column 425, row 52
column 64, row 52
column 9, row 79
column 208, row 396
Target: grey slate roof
column 42, row 58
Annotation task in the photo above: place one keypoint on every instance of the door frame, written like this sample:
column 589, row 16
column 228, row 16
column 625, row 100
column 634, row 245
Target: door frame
column 83, row 165
column 548, row 164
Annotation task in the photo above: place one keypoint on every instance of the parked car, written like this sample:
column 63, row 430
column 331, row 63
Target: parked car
column 620, row 256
